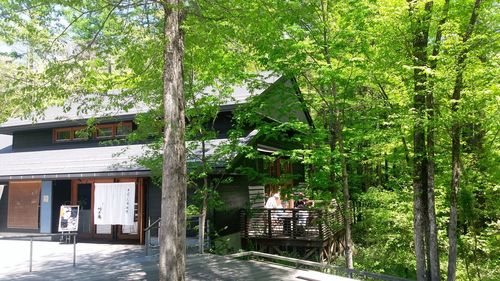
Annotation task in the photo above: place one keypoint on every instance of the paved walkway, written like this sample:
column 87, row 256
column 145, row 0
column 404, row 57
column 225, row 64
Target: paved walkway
column 53, row 261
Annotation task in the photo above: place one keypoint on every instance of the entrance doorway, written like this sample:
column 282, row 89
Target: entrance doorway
column 82, row 194
column 83, row 199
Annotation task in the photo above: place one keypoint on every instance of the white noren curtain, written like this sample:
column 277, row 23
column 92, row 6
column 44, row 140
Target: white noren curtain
column 114, row 203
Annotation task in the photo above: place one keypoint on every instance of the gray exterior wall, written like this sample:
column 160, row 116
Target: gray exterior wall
column 35, row 138
column 153, row 204
column 235, row 196
column 3, row 207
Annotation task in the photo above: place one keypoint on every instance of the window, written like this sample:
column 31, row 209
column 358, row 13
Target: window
column 80, row 134
column 62, row 135
column 123, row 129
column 104, row 132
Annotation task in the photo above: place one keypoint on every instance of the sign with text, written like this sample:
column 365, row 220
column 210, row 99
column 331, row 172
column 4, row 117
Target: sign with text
column 68, row 218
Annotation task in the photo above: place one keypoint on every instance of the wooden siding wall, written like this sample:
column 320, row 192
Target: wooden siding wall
column 24, row 200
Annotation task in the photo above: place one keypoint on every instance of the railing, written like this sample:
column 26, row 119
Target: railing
column 192, row 224
column 193, row 233
column 147, row 231
column 300, row 224
column 351, row 273
column 32, row 237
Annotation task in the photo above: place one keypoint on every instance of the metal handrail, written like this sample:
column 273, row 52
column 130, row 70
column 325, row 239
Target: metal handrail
column 147, row 231
column 31, row 237
column 156, row 225
column 349, row 272
column 153, row 224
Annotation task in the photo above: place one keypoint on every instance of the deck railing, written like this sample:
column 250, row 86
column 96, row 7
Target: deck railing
column 300, row 224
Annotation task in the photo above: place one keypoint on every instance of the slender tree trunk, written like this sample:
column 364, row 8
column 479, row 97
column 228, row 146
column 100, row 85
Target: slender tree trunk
column 432, row 242
column 202, row 219
column 332, row 141
column 420, row 39
column 455, row 146
column 347, row 210
column 432, row 239
column 173, row 199
column 204, row 204
column 433, row 253
column 348, row 250
column 431, row 209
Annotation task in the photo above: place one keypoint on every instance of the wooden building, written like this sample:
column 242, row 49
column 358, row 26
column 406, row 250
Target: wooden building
column 46, row 164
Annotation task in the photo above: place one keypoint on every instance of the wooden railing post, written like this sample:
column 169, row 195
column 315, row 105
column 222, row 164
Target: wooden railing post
column 269, row 222
column 294, row 223
column 320, row 224
column 244, row 218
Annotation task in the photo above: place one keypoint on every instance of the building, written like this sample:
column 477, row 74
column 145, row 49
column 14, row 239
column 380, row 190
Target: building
column 56, row 161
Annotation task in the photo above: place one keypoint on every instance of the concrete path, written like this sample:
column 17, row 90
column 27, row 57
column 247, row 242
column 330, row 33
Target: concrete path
column 53, row 261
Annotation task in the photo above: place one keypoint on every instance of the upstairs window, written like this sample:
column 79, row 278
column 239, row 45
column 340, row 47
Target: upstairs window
column 123, row 129
column 80, row 134
column 102, row 132
column 62, row 135
column 105, row 132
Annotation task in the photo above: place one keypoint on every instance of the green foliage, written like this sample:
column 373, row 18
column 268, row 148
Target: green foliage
column 352, row 63
column 384, row 235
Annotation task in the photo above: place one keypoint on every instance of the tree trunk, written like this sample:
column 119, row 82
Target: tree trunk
column 204, row 204
column 431, row 209
column 433, row 253
column 173, row 199
column 202, row 220
column 455, row 146
column 420, row 39
column 332, row 140
column 348, row 251
column 347, row 210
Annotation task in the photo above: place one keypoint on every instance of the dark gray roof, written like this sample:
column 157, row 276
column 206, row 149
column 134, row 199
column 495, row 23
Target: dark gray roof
column 5, row 143
column 194, row 150
column 56, row 116
column 46, row 163
column 94, row 161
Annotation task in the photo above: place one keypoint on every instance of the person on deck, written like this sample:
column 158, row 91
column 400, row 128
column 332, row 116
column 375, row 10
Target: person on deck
column 274, row 202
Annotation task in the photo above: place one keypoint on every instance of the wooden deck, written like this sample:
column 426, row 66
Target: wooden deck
column 312, row 234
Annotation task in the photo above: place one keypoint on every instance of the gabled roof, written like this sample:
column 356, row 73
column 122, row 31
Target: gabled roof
column 74, row 114
column 112, row 161
column 54, row 116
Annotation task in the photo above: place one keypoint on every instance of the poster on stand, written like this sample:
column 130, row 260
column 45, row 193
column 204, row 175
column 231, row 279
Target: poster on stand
column 68, row 218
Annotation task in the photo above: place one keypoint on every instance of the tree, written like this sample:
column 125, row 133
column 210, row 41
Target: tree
column 455, row 147
column 423, row 194
column 102, row 43
column 173, row 211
